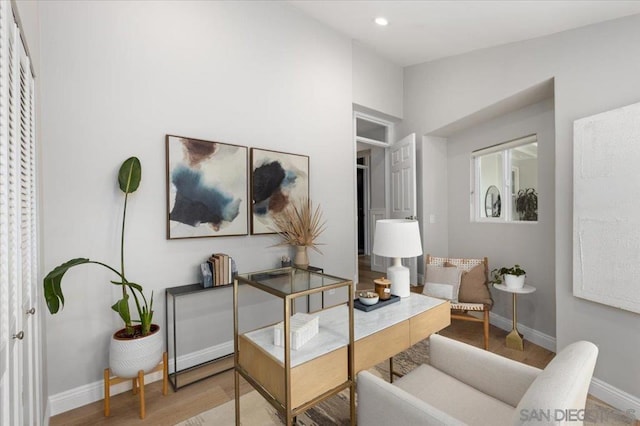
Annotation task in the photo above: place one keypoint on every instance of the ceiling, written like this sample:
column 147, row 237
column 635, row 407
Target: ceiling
column 421, row 31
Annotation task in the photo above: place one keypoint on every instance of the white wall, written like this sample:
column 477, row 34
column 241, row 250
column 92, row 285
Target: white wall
column 118, row 76
column 432, row 195
column 377, row 82
column 595, row 70
column 530, row 245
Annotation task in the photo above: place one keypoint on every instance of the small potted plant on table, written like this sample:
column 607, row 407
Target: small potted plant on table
column 512, row 277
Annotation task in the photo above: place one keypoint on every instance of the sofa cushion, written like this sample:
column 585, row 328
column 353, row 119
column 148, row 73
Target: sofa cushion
column 473, row 285
column 442, row 282
column 455, row 398
column 376, row 396
column 490, row 373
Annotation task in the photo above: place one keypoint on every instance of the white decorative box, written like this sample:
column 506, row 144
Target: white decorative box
column 303, row 327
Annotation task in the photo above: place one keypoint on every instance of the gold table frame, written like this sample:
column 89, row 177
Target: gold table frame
column 514, row 339
column 275, row 381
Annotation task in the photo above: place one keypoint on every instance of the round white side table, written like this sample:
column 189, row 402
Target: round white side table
column 514, row 338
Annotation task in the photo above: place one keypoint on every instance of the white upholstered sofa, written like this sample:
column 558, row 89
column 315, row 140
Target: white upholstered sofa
column 467, row 385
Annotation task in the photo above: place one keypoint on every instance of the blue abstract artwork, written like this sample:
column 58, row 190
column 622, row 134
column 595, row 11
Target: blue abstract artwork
column 277, row 179
column 207, row 188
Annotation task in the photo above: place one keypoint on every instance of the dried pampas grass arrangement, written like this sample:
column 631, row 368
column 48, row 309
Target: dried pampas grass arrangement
column 299, row 224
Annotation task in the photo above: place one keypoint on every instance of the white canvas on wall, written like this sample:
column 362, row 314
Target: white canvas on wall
column 606, row 208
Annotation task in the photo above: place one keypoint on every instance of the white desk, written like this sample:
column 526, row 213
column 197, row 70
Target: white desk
column 334, row 333
column 321, row 363
column 514, row 338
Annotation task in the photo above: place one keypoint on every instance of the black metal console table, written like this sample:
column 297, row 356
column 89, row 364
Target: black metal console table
column 183, row 290
column 175, row 293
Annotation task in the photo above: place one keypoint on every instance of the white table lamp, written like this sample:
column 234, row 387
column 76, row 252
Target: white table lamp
column 397, row 238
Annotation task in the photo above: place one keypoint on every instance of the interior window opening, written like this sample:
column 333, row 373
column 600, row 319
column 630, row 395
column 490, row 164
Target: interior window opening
column 505, row 187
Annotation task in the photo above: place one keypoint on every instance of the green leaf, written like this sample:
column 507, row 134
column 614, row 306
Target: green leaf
column 130, row 175
column 52, row 284
column 128, row 284
column 122, row 308
column 136, row 286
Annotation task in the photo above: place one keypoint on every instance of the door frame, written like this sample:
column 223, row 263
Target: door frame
column 366, row 188
column 390, row 135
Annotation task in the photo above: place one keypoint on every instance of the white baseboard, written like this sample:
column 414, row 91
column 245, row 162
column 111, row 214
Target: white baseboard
column 534, row 336
column 86, row 394
column 47, row 414
column 615, row 397
column 204, row 355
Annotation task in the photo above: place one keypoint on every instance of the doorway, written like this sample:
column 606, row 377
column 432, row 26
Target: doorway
column 371, row 138
column 362, row 181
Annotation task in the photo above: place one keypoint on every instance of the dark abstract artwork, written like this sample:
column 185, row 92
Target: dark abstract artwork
column 206, row 188
column 277, row 179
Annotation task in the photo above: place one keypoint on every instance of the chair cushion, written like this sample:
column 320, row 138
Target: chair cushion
column 455, row 398
column 473, row 286
column 442, row 282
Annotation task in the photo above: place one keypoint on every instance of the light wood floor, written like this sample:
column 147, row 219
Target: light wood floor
column 202, row 396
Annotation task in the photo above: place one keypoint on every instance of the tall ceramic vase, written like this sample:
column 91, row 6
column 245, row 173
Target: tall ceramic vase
column 301, row 260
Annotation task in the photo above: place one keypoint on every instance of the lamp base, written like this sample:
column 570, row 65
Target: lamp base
column 399, row 277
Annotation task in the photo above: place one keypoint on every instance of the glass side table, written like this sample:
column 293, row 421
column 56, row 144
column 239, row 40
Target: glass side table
column 294, row 381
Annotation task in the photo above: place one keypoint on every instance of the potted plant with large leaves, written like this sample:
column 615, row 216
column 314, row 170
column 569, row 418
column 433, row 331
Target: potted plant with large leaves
column 137, row 346
column 527, row 204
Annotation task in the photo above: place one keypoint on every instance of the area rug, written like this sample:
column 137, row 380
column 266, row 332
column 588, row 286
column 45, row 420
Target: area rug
column 256, row 411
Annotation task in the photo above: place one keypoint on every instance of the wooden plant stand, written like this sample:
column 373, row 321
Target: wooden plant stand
column 138, row 384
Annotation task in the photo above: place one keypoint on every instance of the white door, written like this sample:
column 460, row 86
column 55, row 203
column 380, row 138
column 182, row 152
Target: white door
column 402, row 179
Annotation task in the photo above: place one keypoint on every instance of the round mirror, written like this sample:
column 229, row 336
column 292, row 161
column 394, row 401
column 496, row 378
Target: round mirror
column 492, row 203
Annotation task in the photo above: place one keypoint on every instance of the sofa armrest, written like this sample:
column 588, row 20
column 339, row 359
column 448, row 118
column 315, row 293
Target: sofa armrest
column 481, row 369
column 562, row 386
column 381, row 403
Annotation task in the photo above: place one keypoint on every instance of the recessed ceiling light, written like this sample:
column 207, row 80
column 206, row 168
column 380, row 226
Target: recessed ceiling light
column 381, row 21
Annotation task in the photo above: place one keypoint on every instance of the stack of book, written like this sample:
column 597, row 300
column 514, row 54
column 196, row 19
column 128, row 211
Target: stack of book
column 219, row 270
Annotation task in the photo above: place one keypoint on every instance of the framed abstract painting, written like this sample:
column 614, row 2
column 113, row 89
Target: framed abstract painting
column 207, row 188
column 277, row 179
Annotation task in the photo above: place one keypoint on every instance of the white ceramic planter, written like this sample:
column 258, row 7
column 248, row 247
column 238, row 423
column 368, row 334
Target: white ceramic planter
column 513, row 281
column 128, row 356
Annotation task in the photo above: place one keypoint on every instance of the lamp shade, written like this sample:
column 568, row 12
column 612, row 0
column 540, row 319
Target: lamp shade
column 397, row 238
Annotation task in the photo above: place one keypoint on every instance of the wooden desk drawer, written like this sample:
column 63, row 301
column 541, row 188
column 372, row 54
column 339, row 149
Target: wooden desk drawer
column 308, row 380
column 381, row 346
column 432, row 321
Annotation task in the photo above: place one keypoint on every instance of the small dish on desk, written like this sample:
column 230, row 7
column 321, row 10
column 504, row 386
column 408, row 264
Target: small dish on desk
column 368, row 297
